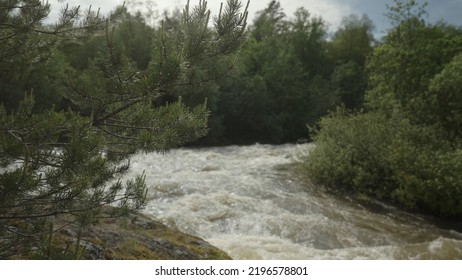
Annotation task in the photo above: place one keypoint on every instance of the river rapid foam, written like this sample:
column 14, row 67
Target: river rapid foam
column 248, row 202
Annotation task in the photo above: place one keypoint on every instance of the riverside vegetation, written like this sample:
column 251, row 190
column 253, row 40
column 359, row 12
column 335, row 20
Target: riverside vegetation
column 81, row 96
column 405, row 146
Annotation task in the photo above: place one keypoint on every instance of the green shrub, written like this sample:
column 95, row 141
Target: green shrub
column 388, row 158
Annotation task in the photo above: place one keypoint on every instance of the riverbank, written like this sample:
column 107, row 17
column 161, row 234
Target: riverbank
column 136, row 237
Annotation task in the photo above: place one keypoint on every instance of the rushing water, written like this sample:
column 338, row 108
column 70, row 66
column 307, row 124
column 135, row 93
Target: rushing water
column 248, row 202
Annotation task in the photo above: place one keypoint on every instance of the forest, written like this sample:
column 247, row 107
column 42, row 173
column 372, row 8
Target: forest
column 79, row 96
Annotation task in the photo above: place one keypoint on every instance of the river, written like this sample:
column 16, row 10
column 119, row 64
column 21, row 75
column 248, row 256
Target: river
column 248, row 202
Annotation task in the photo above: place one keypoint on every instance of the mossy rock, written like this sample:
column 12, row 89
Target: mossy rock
column 136, row 237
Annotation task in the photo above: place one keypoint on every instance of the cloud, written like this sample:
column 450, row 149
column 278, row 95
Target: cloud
column 105, row 6
column 332, row 11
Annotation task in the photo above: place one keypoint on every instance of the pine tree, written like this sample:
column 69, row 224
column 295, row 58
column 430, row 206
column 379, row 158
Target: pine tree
column 66, row 165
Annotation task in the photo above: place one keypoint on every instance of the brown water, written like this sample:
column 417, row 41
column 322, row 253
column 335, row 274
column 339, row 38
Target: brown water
column 248, row 202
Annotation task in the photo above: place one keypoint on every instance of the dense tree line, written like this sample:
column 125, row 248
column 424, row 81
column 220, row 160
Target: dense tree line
column 288, row 74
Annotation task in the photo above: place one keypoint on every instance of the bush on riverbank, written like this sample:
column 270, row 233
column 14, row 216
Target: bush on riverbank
column 390, row 159
column 407, row 147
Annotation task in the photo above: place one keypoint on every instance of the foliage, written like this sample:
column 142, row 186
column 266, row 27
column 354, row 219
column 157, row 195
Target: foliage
column 406, row 147
column 350, row 47
column 65, row 164
column 445, row 97
column 282, row 81
column 402, row 69
column 389, row 158
column 26, row 42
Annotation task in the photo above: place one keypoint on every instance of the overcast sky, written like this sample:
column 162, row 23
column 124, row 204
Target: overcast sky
column 331, row 11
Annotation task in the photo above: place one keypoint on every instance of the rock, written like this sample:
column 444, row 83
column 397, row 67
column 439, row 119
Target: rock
column 135, row 237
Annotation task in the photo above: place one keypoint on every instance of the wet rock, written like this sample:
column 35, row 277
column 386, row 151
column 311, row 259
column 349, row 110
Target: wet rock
column 210, row 168
column 93, row 251
column 135, row 237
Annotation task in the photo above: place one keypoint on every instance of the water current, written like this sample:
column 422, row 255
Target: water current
column 249, row 202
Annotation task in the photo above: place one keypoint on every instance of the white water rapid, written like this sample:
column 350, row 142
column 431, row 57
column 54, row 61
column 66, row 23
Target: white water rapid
column 248, row 202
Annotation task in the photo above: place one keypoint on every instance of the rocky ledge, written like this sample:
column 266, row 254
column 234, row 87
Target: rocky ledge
column 136, row 237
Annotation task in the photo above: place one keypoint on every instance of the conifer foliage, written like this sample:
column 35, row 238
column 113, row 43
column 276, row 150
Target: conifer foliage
column 60, row 167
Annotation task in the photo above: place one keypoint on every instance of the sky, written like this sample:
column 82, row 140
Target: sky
column 332, row 11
